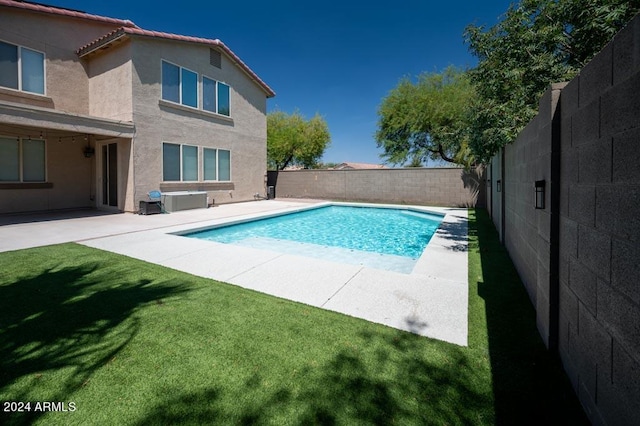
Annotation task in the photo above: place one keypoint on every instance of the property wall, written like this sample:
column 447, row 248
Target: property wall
column 437, row 187
column 600, row 231
column 578, row 257
column 528, row 230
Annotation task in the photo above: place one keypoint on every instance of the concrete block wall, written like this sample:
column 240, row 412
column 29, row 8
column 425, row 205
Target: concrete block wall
column 452, row 187
column 578, row 258
column 600, row 231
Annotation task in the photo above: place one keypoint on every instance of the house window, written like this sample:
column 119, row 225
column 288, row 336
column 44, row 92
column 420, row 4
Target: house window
column 21, row 68
column 170, row 82
column 223, row 99
column 216, row 164
column 22, row 160
column 189, row 88
column 179, row 162
column 179, row 85
column 215, row 96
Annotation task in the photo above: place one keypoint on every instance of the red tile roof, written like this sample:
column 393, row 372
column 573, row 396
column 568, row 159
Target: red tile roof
column 127, row 27
column 120, row 32
column 36, row 7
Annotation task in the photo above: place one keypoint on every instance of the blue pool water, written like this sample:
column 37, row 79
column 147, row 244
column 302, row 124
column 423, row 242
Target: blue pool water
column 396, row 233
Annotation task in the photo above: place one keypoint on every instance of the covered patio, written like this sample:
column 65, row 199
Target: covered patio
column 58, row 160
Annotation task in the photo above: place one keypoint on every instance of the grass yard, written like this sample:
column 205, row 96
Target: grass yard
column 125, row 342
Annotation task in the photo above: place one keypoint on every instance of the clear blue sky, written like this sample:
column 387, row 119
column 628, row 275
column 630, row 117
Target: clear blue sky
column 335, row 58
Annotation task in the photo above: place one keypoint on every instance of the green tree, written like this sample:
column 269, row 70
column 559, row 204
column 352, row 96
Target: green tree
column 426, row 119
column 293, row 140
column 536, row 43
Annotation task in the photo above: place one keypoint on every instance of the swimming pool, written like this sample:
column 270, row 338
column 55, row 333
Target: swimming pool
column 383, row 238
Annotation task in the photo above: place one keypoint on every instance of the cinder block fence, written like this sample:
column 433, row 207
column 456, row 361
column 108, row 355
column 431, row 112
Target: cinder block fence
column 578, row 251
column 451, row 187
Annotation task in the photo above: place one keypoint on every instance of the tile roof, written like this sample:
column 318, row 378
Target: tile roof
column 118, row 33
column 126, row 27
column 42, row 8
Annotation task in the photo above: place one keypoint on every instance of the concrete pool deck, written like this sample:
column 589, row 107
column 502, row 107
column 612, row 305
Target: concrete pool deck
column 431, row 301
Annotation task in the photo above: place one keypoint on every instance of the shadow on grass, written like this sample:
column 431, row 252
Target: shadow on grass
column 63, row 324
column 398, row 382
column 529, row 384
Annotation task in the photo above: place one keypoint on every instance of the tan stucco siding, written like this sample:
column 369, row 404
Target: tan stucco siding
column 69, row 173
column 110, row 84
column 67, row 85
column 157, row 121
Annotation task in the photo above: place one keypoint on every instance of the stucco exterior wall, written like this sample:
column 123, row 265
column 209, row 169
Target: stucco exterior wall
column 110, row 84
column 71, row 177
column 67, row 85
column 437, row 187
column 71, row 183
column 104, row 94
column 157, row 121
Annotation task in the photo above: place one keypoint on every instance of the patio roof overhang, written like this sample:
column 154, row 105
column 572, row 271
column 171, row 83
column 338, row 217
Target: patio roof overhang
column 16, row 114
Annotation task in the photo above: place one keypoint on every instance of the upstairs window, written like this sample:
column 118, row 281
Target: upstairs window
column 215, row 96
column 21, row 68
column 184, row 87
column 179, row 85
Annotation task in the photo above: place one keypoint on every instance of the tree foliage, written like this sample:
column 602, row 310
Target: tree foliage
column 293, row 140
column 426, row 119
column 536, row 43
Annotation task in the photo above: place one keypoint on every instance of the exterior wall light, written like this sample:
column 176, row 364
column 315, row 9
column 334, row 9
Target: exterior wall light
column 540, row 184
column 88, row 152
column 499, row 185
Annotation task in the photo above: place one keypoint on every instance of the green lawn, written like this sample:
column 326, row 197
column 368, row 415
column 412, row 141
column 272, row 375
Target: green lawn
column 128, row 342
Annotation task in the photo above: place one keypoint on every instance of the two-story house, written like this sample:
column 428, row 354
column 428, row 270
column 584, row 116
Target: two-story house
column 97, row 112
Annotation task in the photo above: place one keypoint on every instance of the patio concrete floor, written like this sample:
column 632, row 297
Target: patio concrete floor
column 431, row 301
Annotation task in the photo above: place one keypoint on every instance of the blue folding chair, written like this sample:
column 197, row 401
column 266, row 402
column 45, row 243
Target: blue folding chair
column 155, row 196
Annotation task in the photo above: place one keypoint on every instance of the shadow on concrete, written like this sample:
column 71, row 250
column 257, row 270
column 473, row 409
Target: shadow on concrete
column 53, row 215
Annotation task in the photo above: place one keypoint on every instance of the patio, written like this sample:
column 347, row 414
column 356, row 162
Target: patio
column 431, row 301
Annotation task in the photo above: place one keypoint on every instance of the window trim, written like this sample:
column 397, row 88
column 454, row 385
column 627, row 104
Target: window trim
column 21, row 159
column 20, row 69
column 217, row 84
column 217, row 179
column 200, row 88
column 180, row 85
column 181, row 163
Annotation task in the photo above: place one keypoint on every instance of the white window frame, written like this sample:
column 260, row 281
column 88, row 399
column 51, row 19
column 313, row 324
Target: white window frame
column 217, row 179
column 21, row 160
column 180, row 87
column 217, row 97
column 180, row 162
column 19, row 64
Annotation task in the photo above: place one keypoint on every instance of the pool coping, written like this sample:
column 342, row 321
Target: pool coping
column 431, row 301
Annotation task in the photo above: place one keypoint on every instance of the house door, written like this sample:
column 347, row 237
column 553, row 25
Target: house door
column 110, row 175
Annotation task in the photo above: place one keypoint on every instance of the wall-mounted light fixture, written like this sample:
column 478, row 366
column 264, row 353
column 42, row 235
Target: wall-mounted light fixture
column 540, row 184
column 499, row 185
column 88, row 151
